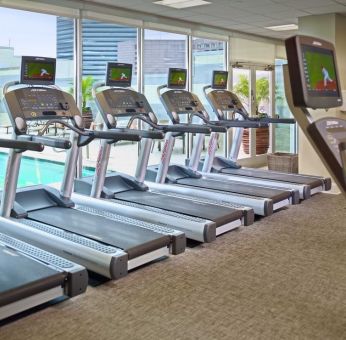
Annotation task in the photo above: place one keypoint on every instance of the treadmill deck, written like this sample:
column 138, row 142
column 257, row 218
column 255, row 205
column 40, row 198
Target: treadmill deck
column 134, row 240
column 219, row 215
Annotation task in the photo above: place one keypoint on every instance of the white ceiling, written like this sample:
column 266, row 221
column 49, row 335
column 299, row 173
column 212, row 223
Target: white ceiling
column 250, row 16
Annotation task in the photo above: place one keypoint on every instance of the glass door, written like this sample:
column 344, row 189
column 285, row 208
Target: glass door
column 254, row 86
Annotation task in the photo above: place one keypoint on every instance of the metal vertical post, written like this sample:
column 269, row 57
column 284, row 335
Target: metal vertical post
column 78, row 66
column 189, row 87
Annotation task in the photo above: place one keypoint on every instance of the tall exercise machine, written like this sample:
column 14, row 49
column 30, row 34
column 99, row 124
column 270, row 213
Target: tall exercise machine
column 201, row 221
column 108, row 245
column 31, row 276
column 179, row 102
column 312, row 82
column 224, row 102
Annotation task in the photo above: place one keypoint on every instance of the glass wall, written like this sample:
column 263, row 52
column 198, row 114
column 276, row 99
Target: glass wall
column 162, row 50
column 34, row 34
column 102, row 43
column 207, row 56
column 285, row 134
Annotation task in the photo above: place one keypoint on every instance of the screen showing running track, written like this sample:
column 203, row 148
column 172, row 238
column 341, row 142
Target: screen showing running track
column 38, row 71
column 119, row 74
column 220, row 80
column 177, row 78
column 319, row 71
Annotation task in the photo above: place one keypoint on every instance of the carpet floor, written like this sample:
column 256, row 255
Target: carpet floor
column 282, row 278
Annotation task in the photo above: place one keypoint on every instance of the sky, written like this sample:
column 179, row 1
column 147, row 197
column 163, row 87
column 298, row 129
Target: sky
column 28, row 32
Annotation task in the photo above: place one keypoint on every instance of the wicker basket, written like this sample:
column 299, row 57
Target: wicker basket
column 283, row 162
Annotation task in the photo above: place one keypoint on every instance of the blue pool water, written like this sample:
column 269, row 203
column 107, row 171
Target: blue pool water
column 37, row 171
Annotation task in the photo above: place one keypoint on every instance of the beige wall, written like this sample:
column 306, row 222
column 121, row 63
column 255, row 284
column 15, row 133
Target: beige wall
column 331, row 27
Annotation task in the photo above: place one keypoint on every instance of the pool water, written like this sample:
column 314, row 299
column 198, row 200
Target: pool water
column 37, row 171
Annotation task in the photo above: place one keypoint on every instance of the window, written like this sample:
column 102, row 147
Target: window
column 34, row 34
column 285, row 134
column 102, row 43
column 207, row 56
column 162, row 50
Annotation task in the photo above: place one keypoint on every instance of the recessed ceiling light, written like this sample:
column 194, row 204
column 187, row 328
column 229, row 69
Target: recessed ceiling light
column 182, row 3
column 288, row 27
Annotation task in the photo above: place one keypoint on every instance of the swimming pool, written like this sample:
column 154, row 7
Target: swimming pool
column 37, row 171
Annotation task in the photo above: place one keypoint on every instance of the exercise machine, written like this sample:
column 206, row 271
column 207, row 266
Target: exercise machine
column 31, row 276
column 107, row 244
column 201, row 221
column 224, row 102
column 312, row 82
column 179, row 102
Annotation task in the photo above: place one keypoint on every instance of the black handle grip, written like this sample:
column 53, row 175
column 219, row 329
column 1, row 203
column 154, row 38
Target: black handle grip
column 216, row 128
column 57, row 143
column 116, row 135
column 279, row 120
column 186, row 128
column 22, row 145
column 143, row 133
column 240, row 123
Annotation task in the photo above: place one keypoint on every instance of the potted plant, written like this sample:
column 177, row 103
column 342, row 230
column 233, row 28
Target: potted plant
column 87, row 83
column 262, row 96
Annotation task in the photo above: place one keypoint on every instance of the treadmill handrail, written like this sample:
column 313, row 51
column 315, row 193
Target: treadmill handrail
column 58, row 143
column 21, row 145
column 179, row 128
column 229, row 123
column 271, row 120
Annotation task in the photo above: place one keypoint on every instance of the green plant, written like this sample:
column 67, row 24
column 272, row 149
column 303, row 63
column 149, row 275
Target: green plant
column 242, row 87
column 262, row 89
column 87, row 83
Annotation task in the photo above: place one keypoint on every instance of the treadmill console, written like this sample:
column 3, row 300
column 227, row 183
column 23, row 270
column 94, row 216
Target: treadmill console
column 223, row 101
column 178, row 102
column 39, row 103
column 120, row 102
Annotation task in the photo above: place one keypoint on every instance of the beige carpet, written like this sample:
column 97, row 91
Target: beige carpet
column 282, row 278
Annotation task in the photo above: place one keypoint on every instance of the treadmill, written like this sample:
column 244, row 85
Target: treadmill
column 31, row 276
column 107, row 244
column 179, row 102
column 222, row 102
column 199, row 220
column 327, row 135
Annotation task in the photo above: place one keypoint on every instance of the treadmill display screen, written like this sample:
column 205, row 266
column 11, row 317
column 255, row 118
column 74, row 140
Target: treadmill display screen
column 313, row 72
column 220, row 80
column 38, row 71
column 119, row 74
column 319, row 71
column 177, row 78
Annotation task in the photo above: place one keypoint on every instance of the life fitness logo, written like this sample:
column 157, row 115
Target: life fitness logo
column 213, row 144
column 98, row 162
column 164, row 151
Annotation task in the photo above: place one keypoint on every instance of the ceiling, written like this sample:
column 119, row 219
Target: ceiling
column 250, row 16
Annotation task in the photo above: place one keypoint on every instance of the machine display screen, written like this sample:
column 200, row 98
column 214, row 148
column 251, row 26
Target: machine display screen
column 220, row 80
column 38, row 71
column 177, row 78
column 320, row 71
column 119, row 74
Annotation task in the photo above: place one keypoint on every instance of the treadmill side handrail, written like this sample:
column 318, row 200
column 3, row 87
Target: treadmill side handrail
column 21, row 145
